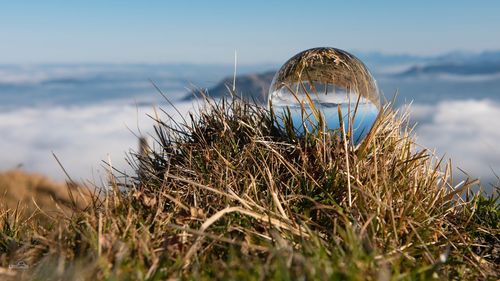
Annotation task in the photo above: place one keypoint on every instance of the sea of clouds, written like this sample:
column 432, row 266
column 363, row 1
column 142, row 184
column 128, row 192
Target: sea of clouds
column 93, row 113
column 84, row 136
column 81, row 137
column 466, row 131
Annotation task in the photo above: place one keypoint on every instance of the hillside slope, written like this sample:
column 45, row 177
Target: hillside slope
column 32, row 191
column 234, row 196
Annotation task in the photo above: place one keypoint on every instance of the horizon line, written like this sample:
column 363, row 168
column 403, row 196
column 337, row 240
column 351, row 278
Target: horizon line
column 244, row 63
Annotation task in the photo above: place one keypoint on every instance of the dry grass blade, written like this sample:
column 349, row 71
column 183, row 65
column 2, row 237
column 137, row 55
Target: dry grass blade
column 232, row 195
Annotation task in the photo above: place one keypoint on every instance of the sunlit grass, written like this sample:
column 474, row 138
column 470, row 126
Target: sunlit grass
column 226, row 194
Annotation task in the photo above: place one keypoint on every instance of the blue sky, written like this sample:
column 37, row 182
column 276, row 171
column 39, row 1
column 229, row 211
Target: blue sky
column 261, row 31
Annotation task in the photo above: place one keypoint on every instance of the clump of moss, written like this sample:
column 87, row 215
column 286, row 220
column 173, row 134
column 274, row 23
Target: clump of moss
column 228, row 194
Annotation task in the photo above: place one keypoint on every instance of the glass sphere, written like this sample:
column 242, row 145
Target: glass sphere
column 327, row 79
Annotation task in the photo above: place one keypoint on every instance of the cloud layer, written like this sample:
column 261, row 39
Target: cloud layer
column 465, row 130
column 81, row 137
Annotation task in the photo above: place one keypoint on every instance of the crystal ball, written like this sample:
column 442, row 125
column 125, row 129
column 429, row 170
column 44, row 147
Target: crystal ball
column 326, row 80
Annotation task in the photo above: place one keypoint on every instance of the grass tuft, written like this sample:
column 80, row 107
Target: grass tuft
column 227, row 194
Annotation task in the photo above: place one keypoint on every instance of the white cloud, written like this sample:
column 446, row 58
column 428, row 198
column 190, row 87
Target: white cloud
column 467, row 131
column 81, row 137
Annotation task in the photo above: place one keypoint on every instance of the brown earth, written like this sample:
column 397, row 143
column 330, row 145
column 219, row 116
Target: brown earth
column 30, row 192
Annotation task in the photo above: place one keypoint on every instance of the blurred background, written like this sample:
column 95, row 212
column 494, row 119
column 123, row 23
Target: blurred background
column 75, row 77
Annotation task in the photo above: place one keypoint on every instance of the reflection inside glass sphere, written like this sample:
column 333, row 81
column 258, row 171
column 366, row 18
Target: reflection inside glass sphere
column 329, row 80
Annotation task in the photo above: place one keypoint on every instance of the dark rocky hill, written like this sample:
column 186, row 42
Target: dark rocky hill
column 251, row 86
